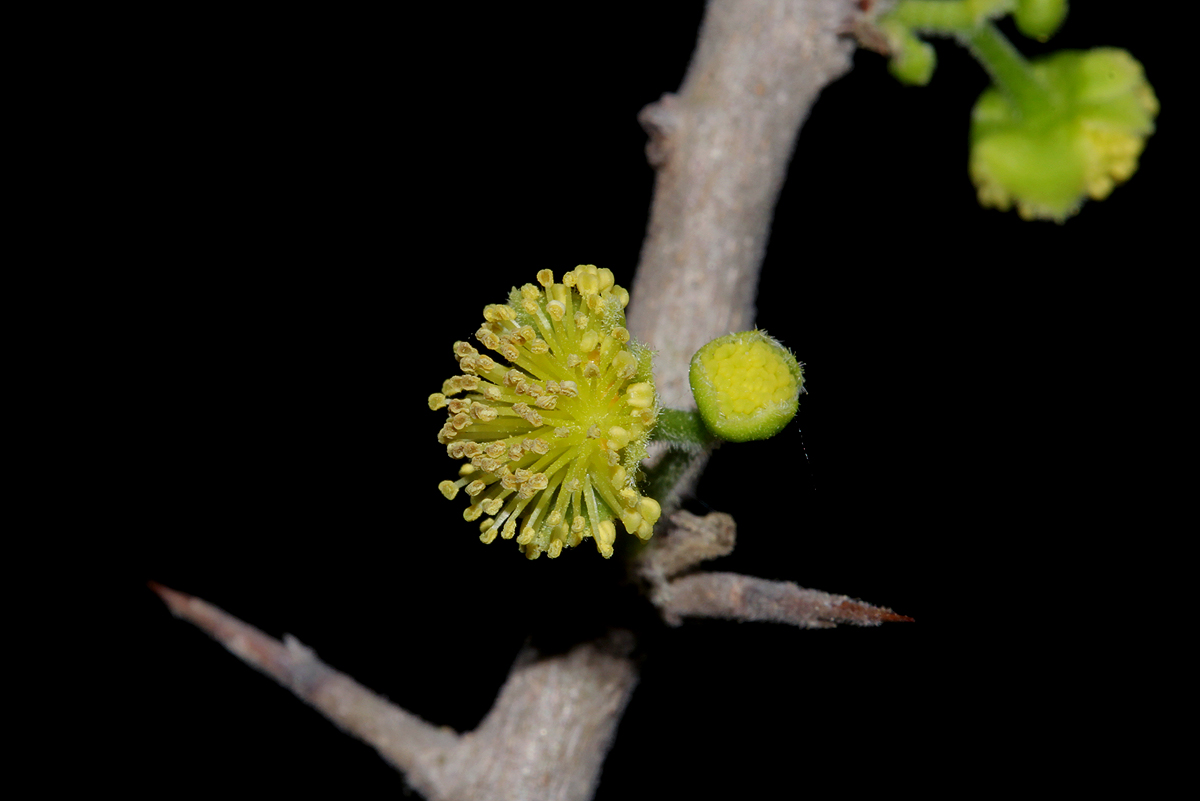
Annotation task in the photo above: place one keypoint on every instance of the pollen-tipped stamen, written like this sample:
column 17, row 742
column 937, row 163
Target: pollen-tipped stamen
column 553, row 438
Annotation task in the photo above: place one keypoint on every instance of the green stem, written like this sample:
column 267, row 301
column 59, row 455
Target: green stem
column 683, row 429
column 947, row 16
column 1009, row 70
column 662, row 478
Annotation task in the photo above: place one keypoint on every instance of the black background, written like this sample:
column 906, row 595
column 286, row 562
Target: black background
column 325, row 205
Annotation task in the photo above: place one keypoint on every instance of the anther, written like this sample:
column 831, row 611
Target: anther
column 626, row 364
column 619, row 436
column 651, row 510
column 640, row 395
column 488, row 338
column 486, row 464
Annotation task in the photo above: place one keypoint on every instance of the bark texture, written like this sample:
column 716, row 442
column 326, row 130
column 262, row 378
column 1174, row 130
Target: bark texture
column 721, row 147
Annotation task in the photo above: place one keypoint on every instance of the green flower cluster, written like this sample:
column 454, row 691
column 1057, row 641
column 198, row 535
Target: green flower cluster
column 1047, row 158
column 1048, row 134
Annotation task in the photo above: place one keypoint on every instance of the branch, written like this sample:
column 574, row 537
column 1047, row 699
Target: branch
column 721, row 147
column 692, row 540
column 545, row 737
column 737, row 597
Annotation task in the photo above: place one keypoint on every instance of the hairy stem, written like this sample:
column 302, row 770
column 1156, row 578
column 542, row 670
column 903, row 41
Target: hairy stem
column 683, row 428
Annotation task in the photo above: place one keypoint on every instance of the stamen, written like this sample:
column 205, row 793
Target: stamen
column 543, row 445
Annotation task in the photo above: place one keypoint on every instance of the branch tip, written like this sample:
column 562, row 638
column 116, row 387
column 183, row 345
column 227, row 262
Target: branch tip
column 857, row 611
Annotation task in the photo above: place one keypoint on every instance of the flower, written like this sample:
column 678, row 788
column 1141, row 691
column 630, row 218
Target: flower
column 1084, row 141
column 553, row 442
column 747, row 386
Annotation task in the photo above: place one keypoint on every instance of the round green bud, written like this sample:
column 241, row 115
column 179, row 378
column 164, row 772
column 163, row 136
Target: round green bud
column 913, row 60
column 747, row 386
column 1039, row 19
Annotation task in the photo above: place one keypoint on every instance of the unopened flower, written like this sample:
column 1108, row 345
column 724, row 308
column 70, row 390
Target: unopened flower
column 552, row 440
column 1085, row 138
column 747, row 386
column 1039, row 19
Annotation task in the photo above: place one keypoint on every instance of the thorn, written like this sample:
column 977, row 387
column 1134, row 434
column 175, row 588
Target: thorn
column 176, row 601
column 856, row 610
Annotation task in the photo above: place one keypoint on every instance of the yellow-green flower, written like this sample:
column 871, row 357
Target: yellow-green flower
column 553, row 440
column 746, row 385
column 1082, row 141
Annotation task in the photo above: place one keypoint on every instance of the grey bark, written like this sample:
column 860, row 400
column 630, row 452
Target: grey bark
column 721, row 147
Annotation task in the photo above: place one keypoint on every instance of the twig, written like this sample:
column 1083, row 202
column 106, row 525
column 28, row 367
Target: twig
column 545, row 737
column 737, row 597
column 691, row 540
